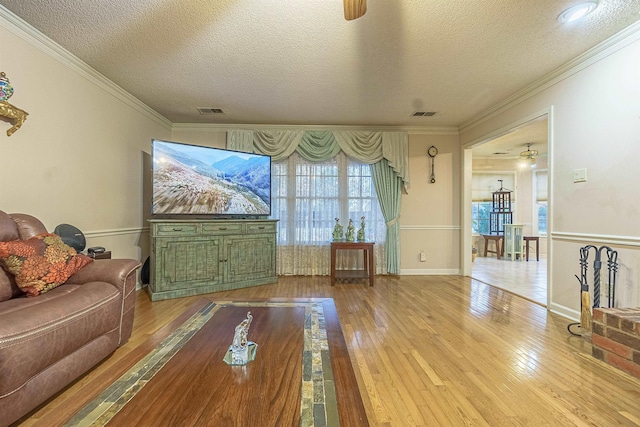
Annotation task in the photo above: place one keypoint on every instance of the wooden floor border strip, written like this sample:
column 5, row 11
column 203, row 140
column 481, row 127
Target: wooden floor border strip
column 319, row 405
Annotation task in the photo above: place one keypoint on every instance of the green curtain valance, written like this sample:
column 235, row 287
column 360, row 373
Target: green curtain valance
column 365, row 146
column 318, row 146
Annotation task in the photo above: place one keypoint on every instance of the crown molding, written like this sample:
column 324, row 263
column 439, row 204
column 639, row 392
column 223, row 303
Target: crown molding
column 26, row 32
column 433, row 130
column 613, row 44
column 411, row 130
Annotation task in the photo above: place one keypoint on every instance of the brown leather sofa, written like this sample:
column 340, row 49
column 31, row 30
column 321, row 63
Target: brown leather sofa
column 48, row 341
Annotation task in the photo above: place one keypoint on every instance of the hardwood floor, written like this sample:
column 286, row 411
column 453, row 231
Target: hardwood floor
column 438, row 351
column 525, row 278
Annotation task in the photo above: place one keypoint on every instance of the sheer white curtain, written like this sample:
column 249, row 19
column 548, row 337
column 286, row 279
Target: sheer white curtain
column 307, row 197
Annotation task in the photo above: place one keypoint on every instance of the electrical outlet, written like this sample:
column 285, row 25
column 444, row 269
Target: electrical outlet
column 423, row 256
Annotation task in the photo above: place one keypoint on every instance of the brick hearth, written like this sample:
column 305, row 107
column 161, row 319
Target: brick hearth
column 616, row 338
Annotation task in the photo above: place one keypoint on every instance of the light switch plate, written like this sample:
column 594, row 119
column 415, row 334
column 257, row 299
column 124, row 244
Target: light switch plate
column 580, row 175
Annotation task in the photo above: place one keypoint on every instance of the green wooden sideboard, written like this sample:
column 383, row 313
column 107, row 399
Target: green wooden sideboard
column 191, row 257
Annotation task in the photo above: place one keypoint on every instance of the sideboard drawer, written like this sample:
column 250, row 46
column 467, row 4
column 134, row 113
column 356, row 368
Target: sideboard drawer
column 225, row 228
column 176, row 229
column 266, row 227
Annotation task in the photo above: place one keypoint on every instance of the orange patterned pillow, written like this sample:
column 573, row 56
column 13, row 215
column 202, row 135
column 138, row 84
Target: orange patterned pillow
column 40, row 263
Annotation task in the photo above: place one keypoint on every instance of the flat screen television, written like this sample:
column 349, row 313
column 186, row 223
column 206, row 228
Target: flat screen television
column 206, row 181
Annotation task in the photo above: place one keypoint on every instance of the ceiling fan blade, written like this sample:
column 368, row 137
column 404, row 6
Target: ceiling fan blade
column 354, row 9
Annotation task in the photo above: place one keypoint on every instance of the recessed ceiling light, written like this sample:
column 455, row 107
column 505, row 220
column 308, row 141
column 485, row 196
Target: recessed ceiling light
column 577, row 11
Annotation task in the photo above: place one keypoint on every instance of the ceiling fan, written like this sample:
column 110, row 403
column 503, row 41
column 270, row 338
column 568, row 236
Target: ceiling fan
column 354, row 9
column 529, row 156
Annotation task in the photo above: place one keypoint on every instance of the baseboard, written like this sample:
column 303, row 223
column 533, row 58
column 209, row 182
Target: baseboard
column 563, row 311
column 430, row 272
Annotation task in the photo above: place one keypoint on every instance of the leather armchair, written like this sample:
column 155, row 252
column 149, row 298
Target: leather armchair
column 48, row 341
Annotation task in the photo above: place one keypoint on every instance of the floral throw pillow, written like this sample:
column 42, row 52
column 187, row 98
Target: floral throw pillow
column 40, row 263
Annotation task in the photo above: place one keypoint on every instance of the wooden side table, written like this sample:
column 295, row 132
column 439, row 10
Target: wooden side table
column 369, row 264
column 534, row 239
column 498, row 240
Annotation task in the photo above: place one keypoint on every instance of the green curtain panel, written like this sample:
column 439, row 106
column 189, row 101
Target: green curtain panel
column 389, row 189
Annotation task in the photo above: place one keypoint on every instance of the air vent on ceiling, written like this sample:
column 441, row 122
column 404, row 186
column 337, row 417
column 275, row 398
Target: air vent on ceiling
column 209, row 110
column 423, row 114
column 500, row 153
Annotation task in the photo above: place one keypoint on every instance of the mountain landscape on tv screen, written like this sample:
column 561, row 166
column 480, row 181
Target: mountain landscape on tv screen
column 184, row 183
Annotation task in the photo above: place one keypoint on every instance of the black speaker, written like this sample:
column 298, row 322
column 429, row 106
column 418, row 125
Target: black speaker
column 144, row 272
column 72, row 236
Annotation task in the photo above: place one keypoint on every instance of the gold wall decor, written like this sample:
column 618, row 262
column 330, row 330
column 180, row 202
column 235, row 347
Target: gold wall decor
column 8, row 112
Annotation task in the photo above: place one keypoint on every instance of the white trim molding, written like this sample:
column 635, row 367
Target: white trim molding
column 597, row 238
column 564, row 312
column 525, row 121
column 430, row 227
column 430, row 272
column 117, row 232
column 223, row 127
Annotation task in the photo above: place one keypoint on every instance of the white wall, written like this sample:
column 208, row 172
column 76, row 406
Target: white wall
column 214, row 136
column 80, row 156
column 430, row 213
column 594, row 124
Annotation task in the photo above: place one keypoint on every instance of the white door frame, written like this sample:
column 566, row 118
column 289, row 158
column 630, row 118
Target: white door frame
column 467, row 162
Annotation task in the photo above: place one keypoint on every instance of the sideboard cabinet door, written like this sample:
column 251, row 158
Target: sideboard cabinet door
column 183, row 263
column 249, row 257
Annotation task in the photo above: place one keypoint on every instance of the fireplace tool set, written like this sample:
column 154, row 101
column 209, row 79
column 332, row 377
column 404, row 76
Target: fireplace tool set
column 612, row 266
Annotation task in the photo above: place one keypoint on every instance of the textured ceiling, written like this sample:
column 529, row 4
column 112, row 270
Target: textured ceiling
column 299, row 62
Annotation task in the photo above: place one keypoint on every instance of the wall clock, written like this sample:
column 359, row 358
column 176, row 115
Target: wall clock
column 432, row 152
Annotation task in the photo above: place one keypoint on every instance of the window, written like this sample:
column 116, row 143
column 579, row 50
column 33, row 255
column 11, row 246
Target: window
column 480, row 217
column 542, row 217
column 541, row 183
column 308, row 196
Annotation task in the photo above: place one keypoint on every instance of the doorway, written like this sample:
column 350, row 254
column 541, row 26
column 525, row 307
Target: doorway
column 516, row 160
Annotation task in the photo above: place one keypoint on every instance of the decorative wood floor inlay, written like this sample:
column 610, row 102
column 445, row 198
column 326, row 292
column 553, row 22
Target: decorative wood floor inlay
column 318, row 394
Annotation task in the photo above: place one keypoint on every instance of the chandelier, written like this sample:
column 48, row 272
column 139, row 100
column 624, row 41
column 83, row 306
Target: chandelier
column 528, row 157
